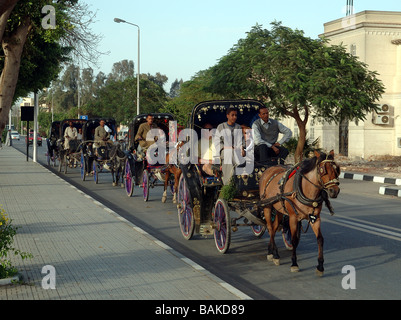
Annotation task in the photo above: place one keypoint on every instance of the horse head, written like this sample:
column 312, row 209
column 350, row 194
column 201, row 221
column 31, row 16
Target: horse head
column 328, row 172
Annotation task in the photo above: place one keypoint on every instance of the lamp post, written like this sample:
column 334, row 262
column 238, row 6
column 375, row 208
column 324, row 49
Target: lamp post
column 137, row 78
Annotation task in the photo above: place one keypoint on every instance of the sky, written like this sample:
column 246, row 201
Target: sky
column 179, row 38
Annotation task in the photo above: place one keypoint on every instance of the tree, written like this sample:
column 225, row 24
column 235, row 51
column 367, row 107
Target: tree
column 175, row 88
column 191, row 93
column 122, row 70
column 297, row 77
column 33, row 55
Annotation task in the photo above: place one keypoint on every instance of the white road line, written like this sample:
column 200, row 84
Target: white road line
column 365, row 228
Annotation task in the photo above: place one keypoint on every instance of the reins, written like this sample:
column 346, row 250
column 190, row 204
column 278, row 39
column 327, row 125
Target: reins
column 297, row 192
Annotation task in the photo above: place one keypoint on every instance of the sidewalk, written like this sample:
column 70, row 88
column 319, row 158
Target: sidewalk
column 96, row 253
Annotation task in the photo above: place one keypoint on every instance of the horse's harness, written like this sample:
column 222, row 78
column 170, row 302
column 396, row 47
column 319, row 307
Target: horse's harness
column 297, row 192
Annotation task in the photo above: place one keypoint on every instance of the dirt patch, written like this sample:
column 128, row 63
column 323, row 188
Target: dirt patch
column 386, row 166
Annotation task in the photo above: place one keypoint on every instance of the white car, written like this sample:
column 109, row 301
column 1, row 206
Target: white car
column 15, row 135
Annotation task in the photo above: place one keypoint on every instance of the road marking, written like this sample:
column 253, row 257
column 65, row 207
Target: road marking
column 368, row 229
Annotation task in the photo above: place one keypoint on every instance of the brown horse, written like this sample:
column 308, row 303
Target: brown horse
column 299, row 193
column 176, row 171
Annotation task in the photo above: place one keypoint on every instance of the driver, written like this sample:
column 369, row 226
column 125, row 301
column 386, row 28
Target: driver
column 143, row 130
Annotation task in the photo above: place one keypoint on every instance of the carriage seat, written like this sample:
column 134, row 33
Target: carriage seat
column 206, row 178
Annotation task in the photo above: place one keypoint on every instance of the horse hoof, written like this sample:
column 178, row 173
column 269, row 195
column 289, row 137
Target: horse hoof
column 276, row 262
column 319, row 273
column 269, row 257
column 114, row 184
column 164, row 199
column 294, row 269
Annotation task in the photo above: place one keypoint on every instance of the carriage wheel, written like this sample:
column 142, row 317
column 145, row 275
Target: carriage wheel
column 60, row 165
column 185, row 212
column 128, row 179
column 95, row 172
column 145, row 185
column 83, row 166
column 65, row 163
column 222, row 225
column 286, row 234
column 258, row 230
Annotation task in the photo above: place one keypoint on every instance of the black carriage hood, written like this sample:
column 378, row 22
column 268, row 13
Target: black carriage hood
column 214, row 112
column 161, row 119
column 78, row 123
column 90, row 126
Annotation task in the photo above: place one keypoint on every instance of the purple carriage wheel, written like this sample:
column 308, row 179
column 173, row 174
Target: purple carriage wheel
column 95, row 172
column 222, row 226
column 145, row 185
column 83, row 166
column 258, row 230
column 128, row 179
column 185, row 212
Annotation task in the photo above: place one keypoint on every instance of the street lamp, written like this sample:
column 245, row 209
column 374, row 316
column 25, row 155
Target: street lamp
column 137, row 79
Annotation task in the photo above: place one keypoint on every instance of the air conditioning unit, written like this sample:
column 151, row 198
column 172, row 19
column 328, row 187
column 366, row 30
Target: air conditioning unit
column 381, row 119
column 399, row 142
column 383, row 108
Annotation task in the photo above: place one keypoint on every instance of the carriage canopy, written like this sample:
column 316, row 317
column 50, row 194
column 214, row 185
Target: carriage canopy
column 77, row 123
column 90, row 126
column 214, row 112
column 161, row 119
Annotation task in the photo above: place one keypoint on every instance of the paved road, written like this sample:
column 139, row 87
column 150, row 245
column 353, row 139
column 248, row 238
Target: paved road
column 365, row 233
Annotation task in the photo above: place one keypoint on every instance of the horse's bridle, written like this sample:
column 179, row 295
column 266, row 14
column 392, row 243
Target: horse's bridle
column 321, row 172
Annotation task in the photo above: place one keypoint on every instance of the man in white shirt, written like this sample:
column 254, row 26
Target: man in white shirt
column 70, row 133
column 265, row 133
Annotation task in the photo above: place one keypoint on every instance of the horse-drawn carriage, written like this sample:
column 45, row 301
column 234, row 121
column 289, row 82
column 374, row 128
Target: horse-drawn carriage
column 201, row 209
column 101, row 156
column 138, row 171
column 259, row 197
column 69, row 150
column 52, row 154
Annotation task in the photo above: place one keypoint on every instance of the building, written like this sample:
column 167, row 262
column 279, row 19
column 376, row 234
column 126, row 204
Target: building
column 375, row 38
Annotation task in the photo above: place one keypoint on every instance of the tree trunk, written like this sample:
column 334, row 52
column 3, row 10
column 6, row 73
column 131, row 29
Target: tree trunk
column 301, row 141
column 13, row 46
column 5, row 11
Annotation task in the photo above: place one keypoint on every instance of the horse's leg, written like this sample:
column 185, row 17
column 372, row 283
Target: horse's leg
column 164, row 197
column 177, row 174
column 320, row 241
column 293, row 221
column 272, row 226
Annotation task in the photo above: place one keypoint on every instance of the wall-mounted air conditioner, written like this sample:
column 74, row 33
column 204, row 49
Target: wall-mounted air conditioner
column 399, row 142
column 381, row 119
column 383, row 108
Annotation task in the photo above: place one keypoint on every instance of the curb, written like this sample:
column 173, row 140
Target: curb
column 393, row 190
column 390, row 191
column 366, row 177
column 7, row 281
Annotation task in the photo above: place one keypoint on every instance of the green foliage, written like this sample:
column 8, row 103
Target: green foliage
column 294, row 73
column 228, row 192
column 309, row 145
column 7, row 234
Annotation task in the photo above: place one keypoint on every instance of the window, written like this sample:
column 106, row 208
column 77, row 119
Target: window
column 353, row 49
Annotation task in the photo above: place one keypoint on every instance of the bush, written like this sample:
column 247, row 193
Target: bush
column 309, row 146
column 7, row 234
